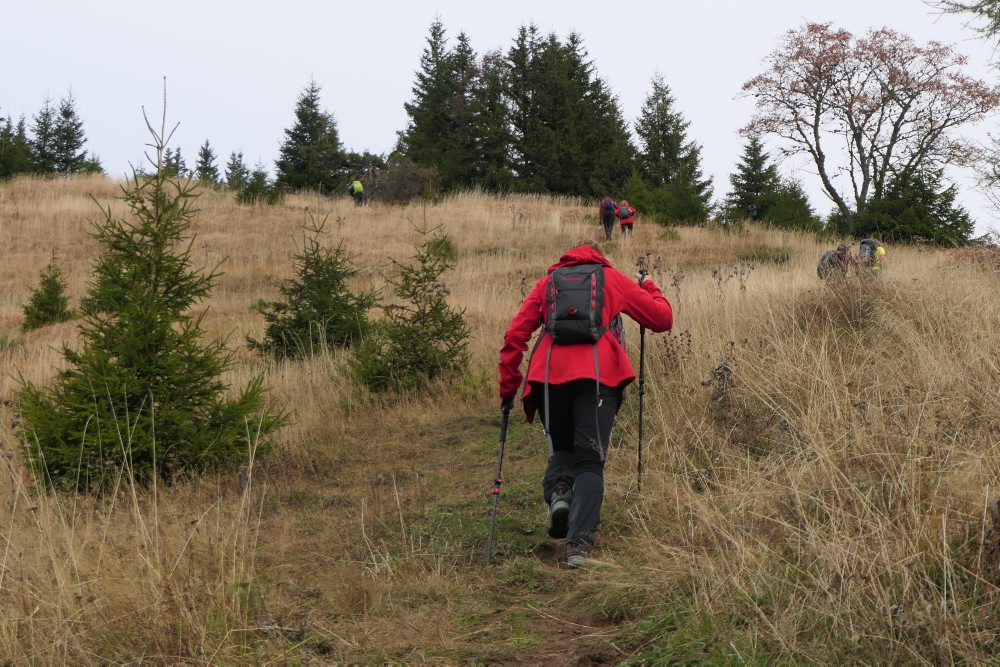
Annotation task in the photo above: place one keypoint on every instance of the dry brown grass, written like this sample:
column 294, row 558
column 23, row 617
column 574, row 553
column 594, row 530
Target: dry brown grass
column 823, row 505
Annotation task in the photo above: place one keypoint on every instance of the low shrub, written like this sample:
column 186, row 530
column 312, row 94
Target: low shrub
column 319, row 311
column 421, row 337
column 765, row 255
column 48, row 303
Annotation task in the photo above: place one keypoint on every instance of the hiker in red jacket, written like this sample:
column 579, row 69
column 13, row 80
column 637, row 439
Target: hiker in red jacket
column 577, row 388
column 626, row 216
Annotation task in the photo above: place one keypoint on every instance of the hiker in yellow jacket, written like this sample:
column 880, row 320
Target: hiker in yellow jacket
column 872, row 256
column 357, row 192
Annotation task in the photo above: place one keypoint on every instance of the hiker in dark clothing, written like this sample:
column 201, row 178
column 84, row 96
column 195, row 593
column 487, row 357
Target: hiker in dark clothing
column 577, row 388
column 607, row 209
column 835, row 264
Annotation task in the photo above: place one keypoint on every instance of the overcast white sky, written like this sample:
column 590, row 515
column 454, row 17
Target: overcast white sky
column 235, row 68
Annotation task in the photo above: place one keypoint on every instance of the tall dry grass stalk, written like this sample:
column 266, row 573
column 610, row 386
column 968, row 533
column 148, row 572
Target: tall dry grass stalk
column 818, row 460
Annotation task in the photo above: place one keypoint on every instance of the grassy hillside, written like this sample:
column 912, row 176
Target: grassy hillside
column 818, row 463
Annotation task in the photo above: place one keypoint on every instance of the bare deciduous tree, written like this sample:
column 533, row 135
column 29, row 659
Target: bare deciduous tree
column 867, row 107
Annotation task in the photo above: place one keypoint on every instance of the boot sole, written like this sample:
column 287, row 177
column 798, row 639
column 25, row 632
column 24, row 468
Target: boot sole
column 559, row 523
column 580, row 562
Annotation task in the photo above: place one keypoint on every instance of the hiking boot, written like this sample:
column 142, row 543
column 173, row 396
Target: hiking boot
column 559, row 515
column 577, row 555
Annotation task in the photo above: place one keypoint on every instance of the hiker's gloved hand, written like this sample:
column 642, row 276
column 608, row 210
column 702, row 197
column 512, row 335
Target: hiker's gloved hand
column 507, row 403
column 641, row 275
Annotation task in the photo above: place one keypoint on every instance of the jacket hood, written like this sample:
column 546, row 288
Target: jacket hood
column 583, row 254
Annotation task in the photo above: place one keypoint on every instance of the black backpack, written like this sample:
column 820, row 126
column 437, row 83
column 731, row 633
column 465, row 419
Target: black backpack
column 574, row 304
column 608, row 206
column 866, row 254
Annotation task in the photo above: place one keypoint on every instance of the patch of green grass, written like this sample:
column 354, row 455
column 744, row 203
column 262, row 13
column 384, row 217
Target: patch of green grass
column 620, row 605
column 514, row 629
column 673, row 636
column 463, row 527
column 669, row 234
column 299, row 499
column 8, row 343
column 765, row 255
column 524, row 572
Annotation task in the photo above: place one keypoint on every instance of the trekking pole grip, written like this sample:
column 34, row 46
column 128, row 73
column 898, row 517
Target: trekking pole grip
column 503, row 441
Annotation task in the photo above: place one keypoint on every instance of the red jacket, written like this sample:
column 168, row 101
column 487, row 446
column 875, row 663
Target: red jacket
column 626, row 215
column 645, row 304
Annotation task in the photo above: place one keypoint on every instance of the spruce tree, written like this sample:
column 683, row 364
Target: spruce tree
column 205, row 169
column 431, row 90
column 669, row 161
column 236, row 171
column 441, row 131
column 569, row 135
column 15, row 149
column 92, row 164
column 754, row 184
column 259, row 189
column 421, row 337
column 43, row 139
column 458, row 170
column 143, row 396
column 520, row 90
column 915, row 207
column 310, row 157
column 791, row 208
column 319, row 311
column 68, row 139
column 48, row 302
column 492, row 120
column 174, row 165
column 761, row 195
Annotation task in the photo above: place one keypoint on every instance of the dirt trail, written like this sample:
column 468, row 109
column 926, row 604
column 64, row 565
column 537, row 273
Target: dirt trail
column 374, row 547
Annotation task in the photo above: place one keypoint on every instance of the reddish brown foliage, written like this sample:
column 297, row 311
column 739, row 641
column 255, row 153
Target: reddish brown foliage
column 892, row 104
column 985, row 257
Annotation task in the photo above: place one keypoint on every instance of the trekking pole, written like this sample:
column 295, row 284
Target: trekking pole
column 497, row 482
column 642, row 388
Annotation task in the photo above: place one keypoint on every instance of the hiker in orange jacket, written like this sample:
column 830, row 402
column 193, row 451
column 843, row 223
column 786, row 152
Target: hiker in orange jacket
column 577, row 388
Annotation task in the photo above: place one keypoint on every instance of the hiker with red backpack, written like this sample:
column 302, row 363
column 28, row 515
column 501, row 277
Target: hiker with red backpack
column 607, row 210
column 626, row 216
column 576, row 378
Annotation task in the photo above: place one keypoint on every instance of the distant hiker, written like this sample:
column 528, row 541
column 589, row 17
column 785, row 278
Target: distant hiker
column 577, row 374
column 626, row 216
column 872, row 256
column 608, row 209
column 835, row 264
column 357, row 192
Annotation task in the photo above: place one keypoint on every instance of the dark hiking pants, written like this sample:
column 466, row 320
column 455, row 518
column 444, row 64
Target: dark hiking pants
column 608, row 220
column 580, row 427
